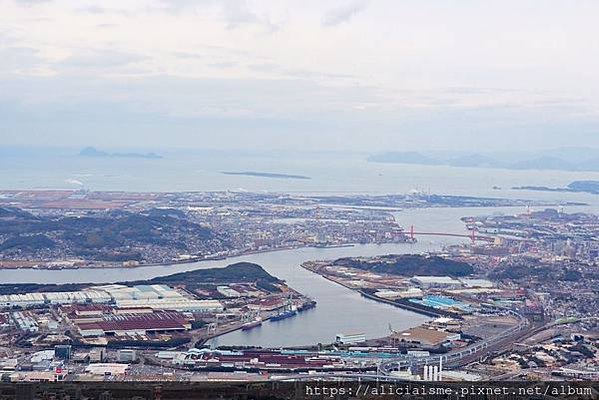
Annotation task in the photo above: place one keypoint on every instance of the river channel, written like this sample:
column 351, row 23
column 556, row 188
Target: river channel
column 339, row 310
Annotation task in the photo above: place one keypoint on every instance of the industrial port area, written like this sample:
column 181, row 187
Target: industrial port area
column 514, row 297
column 524, row 289
column 116, row 330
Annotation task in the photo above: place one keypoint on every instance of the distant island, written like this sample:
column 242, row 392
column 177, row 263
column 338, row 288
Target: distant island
column 93, row 152
column 265, row 175
column 574, row 187
column 530, row 162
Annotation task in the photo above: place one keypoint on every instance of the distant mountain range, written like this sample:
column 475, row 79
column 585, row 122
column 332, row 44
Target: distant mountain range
column 576, row 187
column 93, row 152
column 475, row 160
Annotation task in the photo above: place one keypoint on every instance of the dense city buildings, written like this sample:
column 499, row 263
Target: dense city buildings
column 77, row 229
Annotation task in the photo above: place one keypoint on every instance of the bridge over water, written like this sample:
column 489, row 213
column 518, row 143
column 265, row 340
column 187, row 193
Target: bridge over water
column 473, row 236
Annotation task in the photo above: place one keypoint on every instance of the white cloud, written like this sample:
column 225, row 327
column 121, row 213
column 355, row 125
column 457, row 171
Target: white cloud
column 343, row 13
column 343, row 67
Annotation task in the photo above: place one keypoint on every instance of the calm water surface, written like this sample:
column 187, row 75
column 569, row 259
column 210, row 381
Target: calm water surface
column 339, row 310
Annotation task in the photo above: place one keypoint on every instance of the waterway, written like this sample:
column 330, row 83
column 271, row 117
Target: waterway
column 339, row 309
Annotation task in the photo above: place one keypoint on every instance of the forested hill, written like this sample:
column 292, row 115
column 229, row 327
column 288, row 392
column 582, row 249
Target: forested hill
column 409, row 265
column 242, row 272
column 155, row 235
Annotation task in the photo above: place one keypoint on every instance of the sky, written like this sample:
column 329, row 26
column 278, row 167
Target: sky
column 333, row 75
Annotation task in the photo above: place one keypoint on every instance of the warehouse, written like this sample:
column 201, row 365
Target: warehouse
column 135, row 324
column 139, row 292
column 183, row 304
column 38, row 299
column 107, row 369
column 426, row 336
column 22, row 300
column 436, row 281
column 65, row 297
column 108, row 294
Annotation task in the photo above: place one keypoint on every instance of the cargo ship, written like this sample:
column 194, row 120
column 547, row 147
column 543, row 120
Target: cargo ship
column 283, row 315
column 307, row 306
column 250, row 325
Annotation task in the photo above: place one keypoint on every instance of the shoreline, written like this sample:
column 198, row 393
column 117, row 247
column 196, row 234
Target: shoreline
column 90, row 265
column 167, row 263
column 405, row 307
column 237, row 327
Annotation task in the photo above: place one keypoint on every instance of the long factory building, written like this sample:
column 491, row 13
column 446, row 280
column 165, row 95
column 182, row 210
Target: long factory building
column 135, row 324
column 158, row 297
